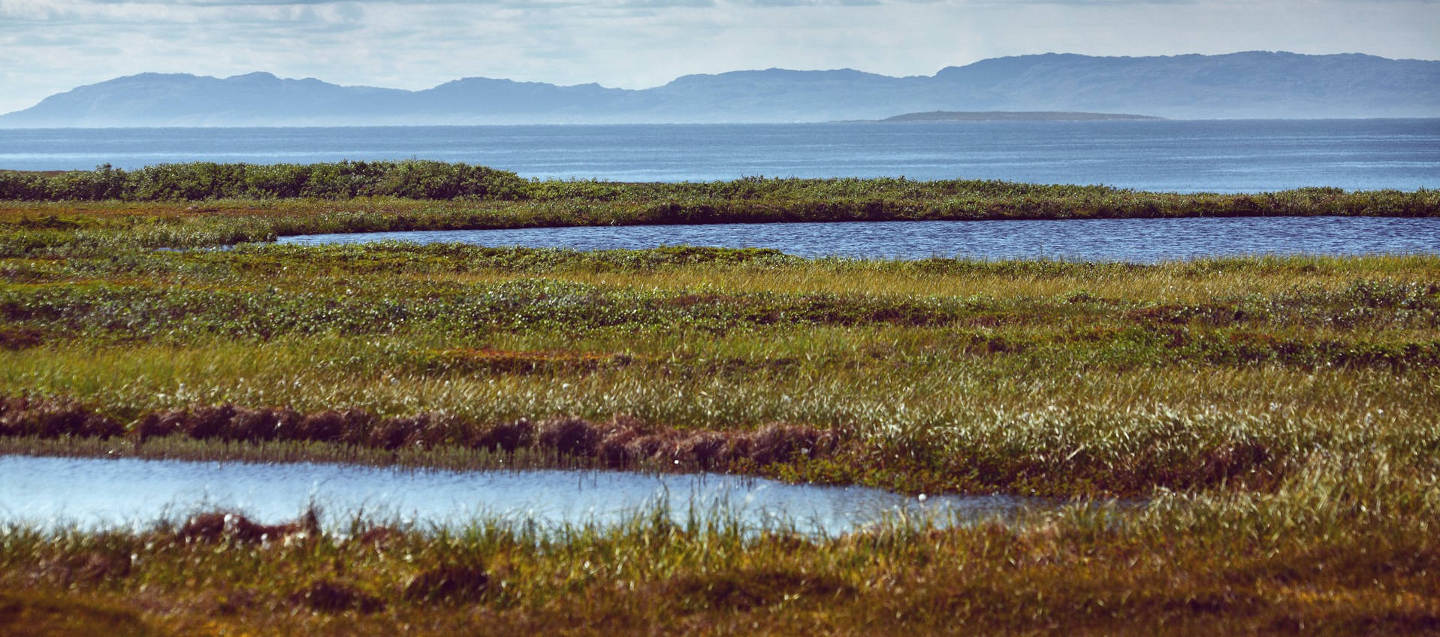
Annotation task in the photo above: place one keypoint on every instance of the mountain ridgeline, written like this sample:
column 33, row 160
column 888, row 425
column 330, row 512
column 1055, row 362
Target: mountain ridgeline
column 1237, row 85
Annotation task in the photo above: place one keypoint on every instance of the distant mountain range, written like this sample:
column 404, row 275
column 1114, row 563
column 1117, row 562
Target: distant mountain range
column 1237, row 85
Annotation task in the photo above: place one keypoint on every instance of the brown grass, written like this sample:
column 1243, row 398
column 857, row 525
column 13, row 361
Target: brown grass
column 219, row 526
column 449, row 583
column 24, row 613
column 621, row 443
column 327, row 596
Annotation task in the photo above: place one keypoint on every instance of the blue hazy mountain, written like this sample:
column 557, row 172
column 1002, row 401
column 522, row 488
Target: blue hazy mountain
column 1238, row 85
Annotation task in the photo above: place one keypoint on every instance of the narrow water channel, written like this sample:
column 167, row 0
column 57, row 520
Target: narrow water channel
column 49, row 492
column 1126, row 240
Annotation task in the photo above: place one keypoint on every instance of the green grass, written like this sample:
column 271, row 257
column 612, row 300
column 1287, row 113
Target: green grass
column 1050, row 378
column 200, row 205
column 1346, row 555
column 1279, row 414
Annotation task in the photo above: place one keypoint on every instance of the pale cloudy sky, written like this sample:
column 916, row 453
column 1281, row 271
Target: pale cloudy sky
column 48, row 46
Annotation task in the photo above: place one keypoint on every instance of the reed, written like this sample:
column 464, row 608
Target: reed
column 1054, row 378
column 1343, row 548
column 1276, row 414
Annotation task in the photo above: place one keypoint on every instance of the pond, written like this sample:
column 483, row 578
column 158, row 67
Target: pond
column 89, row 493
column 1127, row 240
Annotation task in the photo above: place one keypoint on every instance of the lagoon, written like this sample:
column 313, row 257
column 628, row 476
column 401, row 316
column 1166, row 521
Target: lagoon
column 1123, row 240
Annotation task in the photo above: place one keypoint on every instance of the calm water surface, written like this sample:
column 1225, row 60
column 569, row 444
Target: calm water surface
column 1183, row 156
column 1131, row 240
column 96, row 493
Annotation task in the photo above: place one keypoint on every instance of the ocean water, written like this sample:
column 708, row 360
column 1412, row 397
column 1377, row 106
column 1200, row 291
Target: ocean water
column 1179, row 156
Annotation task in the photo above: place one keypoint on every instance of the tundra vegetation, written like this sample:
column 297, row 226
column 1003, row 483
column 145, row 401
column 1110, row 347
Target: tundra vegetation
column 1277, row 415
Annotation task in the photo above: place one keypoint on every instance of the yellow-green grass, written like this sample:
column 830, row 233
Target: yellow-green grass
column 1345, row 548
column 1054, row 378
column 1278, row 414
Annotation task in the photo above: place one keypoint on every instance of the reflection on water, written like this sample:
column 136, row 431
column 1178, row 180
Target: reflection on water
column 1130, row 240
column 93, row 493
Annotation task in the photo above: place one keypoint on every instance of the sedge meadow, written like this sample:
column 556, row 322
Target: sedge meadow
column 1240, row 444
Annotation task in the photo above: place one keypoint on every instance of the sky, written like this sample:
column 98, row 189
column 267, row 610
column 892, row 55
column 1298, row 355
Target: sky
column 49, row 46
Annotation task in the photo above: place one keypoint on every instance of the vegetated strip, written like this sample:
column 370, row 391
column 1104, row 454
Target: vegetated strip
column 622, row 443
column 1248, row 330
column 790, row 452
column 747, row 199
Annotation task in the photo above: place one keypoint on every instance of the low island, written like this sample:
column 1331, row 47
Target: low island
column 1015, row 116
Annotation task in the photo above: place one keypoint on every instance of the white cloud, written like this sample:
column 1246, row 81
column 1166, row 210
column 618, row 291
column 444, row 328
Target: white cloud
column 47, row 46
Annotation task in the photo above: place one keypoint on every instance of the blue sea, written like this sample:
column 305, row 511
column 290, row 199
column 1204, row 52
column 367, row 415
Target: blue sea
column 1176, row 156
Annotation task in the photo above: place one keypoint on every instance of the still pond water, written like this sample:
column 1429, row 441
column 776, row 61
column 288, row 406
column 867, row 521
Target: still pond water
column 1131, row 240
column 107, row 493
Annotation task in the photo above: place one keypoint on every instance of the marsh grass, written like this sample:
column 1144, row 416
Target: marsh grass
column 1269, row 563
column 1049, row 378
column 1279, row 414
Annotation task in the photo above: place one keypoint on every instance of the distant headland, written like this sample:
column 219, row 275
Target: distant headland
column 1014, row 116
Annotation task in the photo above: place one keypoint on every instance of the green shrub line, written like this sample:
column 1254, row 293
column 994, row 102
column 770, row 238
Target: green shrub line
column 207, row 180
column 745, row 199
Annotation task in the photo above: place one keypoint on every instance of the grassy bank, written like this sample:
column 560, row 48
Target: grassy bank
column 1280, row 413
column 1049, row 378
column 198, row 205
column 1329, row 555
